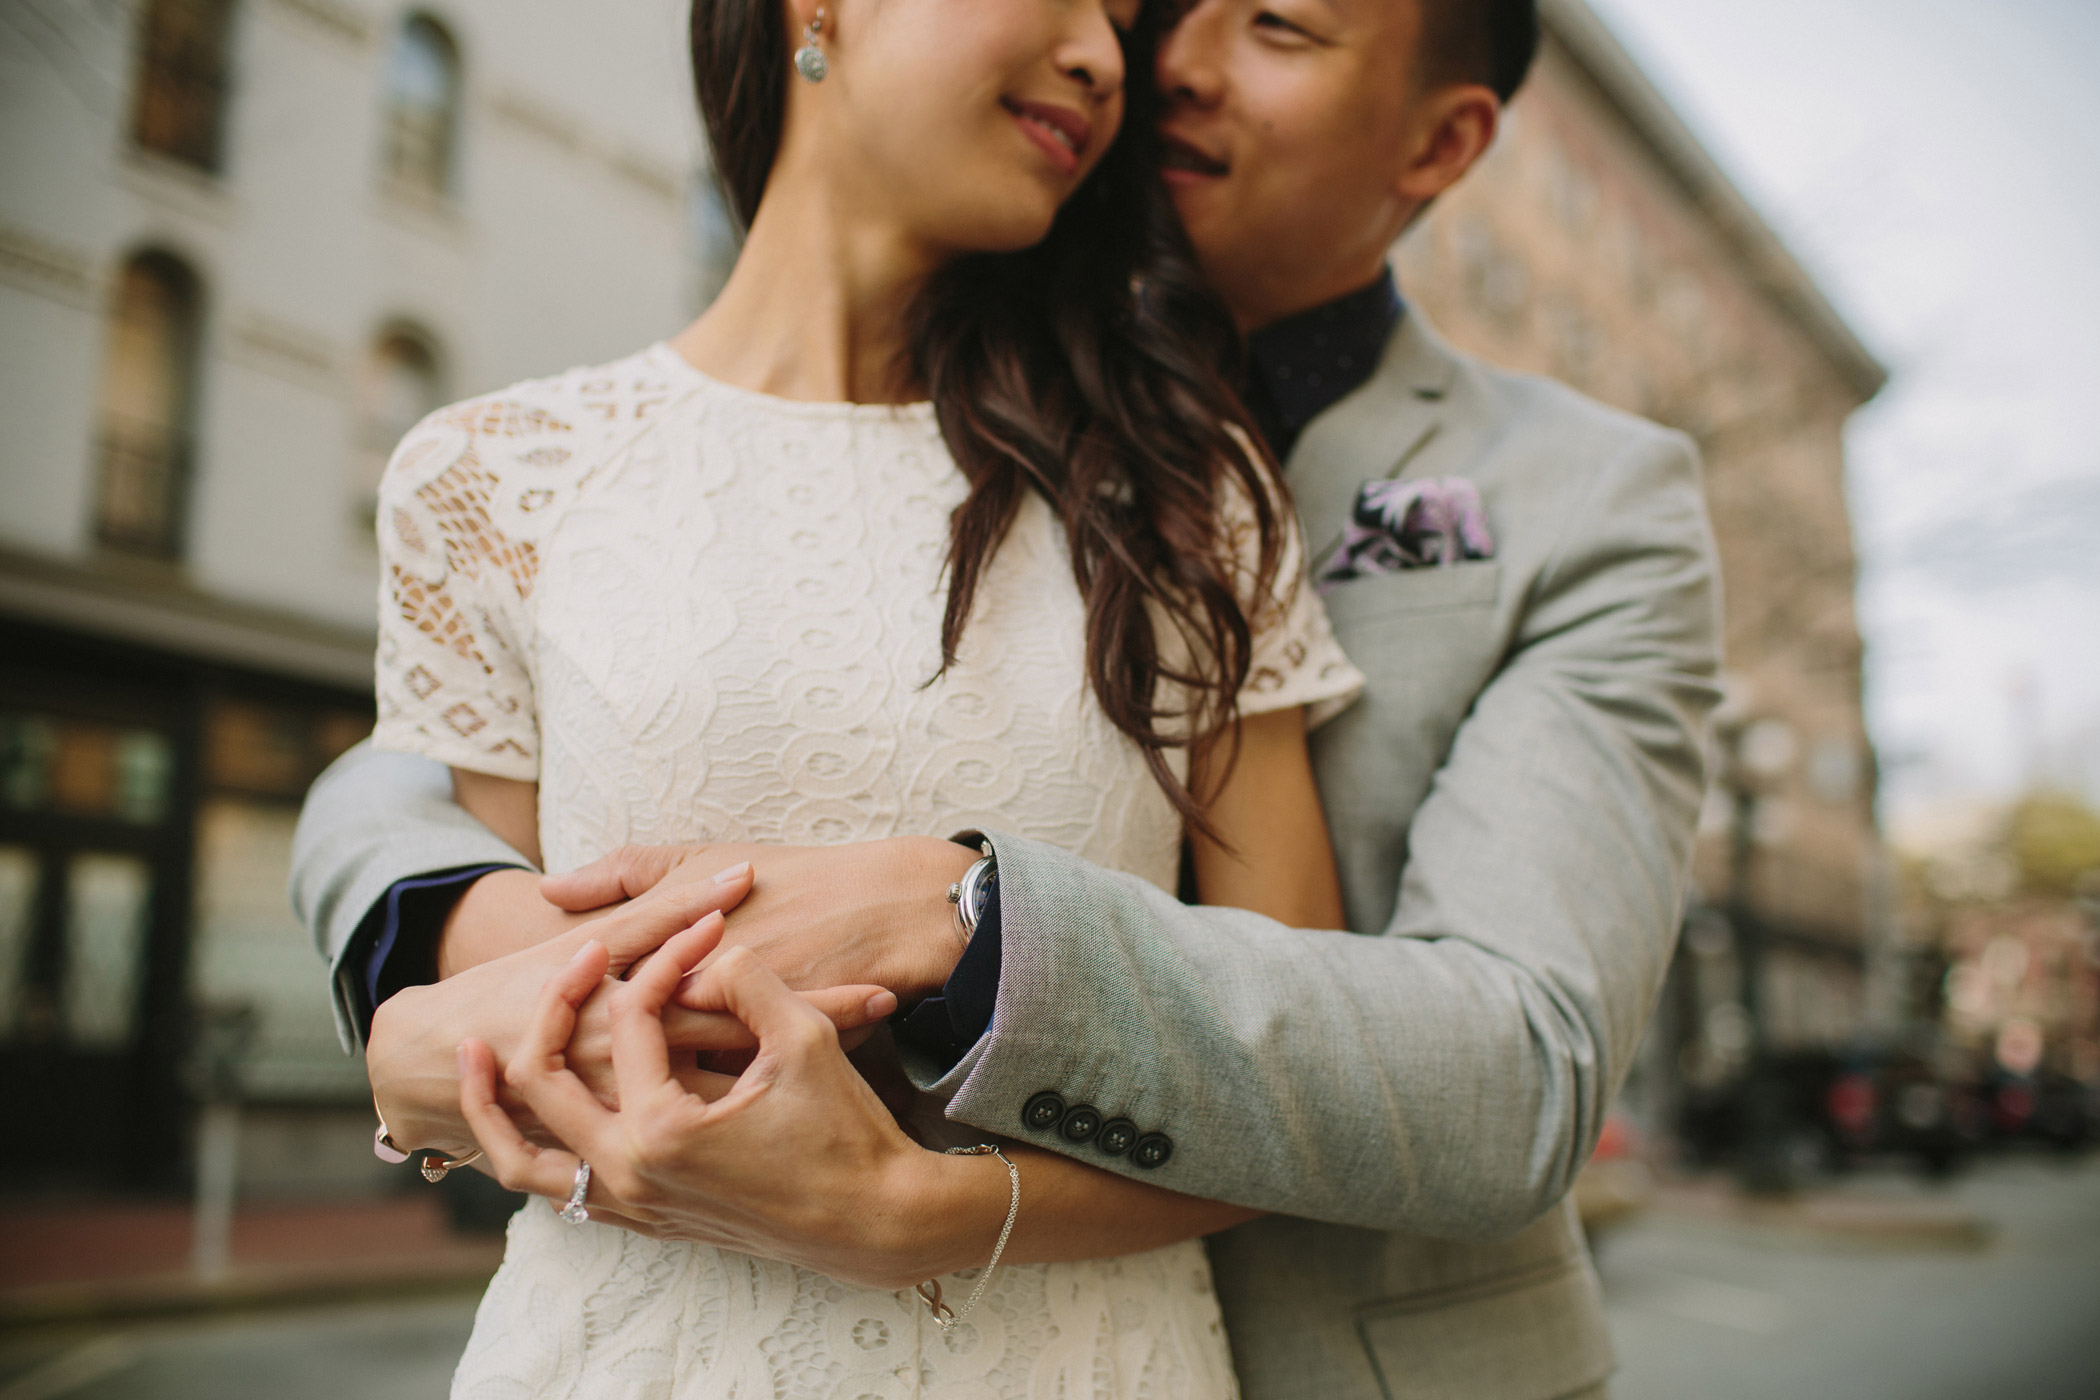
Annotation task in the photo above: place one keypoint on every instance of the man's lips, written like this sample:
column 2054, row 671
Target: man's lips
column 1183, row 157
column 1062, row 133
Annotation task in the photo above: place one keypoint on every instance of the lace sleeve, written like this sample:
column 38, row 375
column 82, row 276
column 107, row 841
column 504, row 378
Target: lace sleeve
column 453, row 678
column 1296, row 659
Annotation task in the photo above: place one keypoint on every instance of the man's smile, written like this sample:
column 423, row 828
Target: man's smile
column 1183, row 159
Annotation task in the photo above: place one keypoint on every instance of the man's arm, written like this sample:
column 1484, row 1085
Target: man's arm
column 372, row 821
column 1448, row 1077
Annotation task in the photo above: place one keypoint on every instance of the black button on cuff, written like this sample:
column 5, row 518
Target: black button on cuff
column 1081, row 1122
column 1043, row 1111
column 1117, row 1136
column 1152, row 1150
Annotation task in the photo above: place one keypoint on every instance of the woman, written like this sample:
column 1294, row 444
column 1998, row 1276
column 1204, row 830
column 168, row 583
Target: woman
column 943, row 515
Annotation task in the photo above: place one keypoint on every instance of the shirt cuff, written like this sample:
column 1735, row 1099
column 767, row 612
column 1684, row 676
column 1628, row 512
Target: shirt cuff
column 402, row 929
column 948, row 1023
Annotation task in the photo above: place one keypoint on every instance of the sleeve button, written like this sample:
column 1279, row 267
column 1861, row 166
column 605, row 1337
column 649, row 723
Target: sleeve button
column 1043, row 1111
column 1117, row 1136
column 1152, row 1150
column 1081, row 1122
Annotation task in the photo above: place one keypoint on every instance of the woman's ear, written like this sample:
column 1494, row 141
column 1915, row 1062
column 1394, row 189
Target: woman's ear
column 1452, row 129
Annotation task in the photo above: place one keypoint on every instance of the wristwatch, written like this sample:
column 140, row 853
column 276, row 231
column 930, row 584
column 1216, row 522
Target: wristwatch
column 974, row 893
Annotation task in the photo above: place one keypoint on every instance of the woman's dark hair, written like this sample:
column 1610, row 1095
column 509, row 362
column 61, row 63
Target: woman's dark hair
column 1096, row 369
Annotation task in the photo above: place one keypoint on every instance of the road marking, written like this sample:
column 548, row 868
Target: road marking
column 1724, row 1305
column 83, row 1366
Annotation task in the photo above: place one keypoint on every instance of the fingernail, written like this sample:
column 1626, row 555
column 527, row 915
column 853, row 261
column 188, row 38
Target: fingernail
column 881, row 1005
column 461, row 1051
column 585, row 951
column 734, row 872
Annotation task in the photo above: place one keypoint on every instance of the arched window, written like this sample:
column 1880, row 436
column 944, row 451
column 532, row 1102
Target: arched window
column 149, row 382
column 422, row 106
column 402, row 383
column 178, row 103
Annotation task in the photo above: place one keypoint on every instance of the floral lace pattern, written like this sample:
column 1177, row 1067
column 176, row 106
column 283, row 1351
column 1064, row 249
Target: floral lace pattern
column 693, row 612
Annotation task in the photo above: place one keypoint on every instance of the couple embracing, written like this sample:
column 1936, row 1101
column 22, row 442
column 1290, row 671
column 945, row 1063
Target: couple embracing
column 1058, row 511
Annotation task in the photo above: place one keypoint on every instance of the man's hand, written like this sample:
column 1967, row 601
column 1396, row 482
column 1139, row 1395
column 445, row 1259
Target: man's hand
column 795, row 1159
column 411, row 1054
column 818, row 916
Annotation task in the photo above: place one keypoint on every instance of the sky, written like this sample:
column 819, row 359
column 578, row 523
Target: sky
column 1936, row 164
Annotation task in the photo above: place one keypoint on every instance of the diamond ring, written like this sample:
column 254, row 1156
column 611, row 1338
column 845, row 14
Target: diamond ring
column 574, row 1212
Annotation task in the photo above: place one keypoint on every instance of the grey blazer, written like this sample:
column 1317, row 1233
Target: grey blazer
column 1513, row 804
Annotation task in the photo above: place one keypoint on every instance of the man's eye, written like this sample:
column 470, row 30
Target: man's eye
column 1277, row 24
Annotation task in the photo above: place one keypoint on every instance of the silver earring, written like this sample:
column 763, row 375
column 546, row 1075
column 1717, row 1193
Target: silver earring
column 809, row 59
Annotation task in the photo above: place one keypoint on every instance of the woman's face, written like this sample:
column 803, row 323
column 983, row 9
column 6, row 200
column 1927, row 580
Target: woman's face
column 966, row 122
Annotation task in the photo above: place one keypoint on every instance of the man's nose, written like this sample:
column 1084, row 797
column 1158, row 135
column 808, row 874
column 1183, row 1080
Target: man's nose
column 1190, row 64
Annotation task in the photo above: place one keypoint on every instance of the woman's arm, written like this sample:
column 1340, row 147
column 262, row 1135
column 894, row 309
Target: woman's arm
column 502, row 912
column 1270, row 852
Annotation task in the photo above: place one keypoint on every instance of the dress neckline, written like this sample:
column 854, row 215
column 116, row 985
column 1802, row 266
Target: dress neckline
column 919, row 413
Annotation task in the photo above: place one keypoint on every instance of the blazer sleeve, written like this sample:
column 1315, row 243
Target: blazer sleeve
column 1449, row 1075
column 373, row 819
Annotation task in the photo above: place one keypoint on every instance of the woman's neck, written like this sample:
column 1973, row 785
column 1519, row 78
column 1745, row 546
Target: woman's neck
column 816, row 306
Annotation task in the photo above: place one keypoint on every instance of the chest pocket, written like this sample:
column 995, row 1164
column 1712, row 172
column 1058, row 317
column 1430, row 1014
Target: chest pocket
column 1420, row 623
column 1456, row 587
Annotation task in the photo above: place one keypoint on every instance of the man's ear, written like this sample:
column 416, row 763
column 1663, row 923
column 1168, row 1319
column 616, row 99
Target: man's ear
column 1451, row 129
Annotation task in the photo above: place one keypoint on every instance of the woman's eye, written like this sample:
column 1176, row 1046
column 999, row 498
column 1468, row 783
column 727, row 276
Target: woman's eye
column 1276, row 24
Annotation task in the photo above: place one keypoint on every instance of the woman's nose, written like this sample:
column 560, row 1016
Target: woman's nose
column 1094, row 55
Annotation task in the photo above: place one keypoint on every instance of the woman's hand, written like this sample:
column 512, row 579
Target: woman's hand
column 794, row 1159
column 411, row 1054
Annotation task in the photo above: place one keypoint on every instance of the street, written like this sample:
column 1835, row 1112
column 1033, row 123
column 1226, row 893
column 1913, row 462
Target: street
column 1723, row 1313
column 1702, row 1311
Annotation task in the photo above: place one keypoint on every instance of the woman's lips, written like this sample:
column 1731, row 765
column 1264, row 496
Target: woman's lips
column 1060, row 132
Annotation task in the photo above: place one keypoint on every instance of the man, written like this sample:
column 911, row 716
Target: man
column 1512, row 802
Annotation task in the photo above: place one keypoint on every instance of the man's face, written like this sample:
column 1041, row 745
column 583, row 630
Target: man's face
column 1287, row 123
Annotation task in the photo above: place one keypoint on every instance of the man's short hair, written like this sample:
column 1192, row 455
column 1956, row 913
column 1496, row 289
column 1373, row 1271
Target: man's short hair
column 1490, row 42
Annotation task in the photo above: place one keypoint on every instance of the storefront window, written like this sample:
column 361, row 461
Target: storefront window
column 84, row 769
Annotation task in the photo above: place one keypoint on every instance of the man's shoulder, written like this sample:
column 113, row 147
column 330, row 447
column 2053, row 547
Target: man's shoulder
column 1532, row 421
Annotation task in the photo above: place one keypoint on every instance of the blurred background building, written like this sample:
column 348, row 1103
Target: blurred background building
column 1600, row 244
column 244, row 244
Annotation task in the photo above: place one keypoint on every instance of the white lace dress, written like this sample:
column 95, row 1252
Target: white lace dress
column 691, row 611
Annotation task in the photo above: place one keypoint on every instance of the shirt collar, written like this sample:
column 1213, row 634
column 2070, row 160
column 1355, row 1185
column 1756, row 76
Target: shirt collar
column 1306, row 363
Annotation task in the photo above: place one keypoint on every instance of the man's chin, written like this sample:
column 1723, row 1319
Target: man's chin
column 1200, row 202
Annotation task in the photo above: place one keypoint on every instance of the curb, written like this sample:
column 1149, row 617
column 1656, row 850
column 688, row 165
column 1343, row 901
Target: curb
column 1840, row 1220
column 250, row 1288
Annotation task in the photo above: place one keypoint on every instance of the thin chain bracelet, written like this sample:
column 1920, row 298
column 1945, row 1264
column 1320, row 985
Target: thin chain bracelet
column 930, row 1291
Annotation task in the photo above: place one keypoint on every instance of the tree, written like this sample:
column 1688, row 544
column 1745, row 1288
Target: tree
column 2055, row 840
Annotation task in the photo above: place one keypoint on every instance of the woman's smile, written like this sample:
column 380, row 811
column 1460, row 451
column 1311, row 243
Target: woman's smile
column 1061, row 133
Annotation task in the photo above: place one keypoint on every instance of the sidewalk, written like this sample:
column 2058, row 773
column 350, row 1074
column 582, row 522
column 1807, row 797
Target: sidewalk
column 79, row 1260
column 1871, row 1213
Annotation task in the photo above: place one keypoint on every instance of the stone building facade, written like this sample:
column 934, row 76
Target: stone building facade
column 243, row 245
column 1601, row 245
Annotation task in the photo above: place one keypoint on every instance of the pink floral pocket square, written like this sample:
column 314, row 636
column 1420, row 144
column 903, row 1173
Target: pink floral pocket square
column 1417, row 524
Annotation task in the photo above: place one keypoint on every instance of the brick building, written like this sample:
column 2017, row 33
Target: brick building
column 1600, row 244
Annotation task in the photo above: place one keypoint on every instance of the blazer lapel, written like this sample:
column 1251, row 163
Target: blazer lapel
column 1387, row 428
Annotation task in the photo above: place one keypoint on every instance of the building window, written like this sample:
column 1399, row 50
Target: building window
column 402, row 384
column 148, row 406
column 422, row 106
column 178, row 106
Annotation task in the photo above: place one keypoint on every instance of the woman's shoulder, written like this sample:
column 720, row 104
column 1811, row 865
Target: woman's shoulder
column 544, row 424
column 482, row 480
